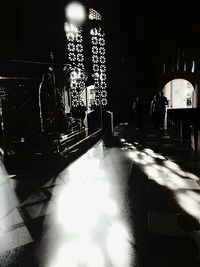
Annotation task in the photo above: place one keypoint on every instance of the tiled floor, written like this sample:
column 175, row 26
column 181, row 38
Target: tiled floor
column 135, row 202
column 172, row 197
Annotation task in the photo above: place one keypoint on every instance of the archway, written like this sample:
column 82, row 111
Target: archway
column 180, row 94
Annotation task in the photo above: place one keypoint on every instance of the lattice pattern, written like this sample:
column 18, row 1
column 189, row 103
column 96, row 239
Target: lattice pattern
column 76, row 58
column 99, row 67
column 94, row 15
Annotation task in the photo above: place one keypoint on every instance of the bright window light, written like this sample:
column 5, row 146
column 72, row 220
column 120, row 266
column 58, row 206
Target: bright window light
column 75, row 13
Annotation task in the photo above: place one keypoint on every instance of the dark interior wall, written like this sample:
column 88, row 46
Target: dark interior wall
column 139, row 39
column 31, row 29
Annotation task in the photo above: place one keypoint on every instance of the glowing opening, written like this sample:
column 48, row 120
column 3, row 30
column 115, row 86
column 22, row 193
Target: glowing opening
column 180, row 93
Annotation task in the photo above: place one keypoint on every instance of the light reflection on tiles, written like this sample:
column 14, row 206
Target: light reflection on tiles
column 89, row 221
column 86, row 167
column 109, row 242
column 3, row 173
column 11, row 219
column 117, row 172
column 8, row 199
column 173, row 181
column 15, row 238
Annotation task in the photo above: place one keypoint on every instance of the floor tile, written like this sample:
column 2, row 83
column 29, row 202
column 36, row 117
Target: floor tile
column 14, row 239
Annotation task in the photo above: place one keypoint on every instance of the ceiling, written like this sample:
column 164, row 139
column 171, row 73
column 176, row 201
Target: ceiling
column 140, row 34
column 137, row 26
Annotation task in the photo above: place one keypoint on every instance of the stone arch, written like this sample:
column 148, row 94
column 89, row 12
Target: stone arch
column 181, row 75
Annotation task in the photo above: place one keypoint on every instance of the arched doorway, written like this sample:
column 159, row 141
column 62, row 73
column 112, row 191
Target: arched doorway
column 180, row 94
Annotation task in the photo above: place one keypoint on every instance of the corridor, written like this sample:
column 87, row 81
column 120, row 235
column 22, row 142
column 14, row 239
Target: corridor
column 131, row 201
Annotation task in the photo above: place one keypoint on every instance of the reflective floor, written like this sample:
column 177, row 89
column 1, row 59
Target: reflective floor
column 132, row 200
